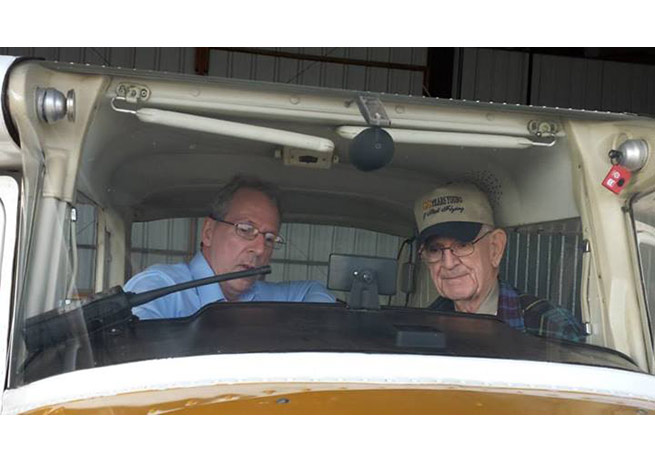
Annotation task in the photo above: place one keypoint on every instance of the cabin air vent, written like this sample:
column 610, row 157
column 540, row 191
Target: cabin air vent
column 489, row 183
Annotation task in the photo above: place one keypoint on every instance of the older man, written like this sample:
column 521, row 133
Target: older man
column 239, row 234
column 463, row 250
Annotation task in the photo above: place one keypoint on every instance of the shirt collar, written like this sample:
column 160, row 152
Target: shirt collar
column 213, row 292
column 490, row 304
column 200, row 269
column 250, row 294
column 509, row 306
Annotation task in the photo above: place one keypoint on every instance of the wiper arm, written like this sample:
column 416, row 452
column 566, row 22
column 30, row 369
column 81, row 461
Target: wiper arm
column 106, row 310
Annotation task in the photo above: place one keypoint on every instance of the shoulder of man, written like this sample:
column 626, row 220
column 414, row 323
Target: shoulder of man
column 543, row 318
column 156, row 276
column 442, row 304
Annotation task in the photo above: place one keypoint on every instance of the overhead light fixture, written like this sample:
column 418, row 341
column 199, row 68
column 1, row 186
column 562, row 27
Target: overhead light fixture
column 411, row 136
column 229, row 128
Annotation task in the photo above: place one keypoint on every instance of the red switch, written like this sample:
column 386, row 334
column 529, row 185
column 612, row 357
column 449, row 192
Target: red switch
column 617, row 178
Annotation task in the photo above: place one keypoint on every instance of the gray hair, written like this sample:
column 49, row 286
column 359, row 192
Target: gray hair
column 221, row 204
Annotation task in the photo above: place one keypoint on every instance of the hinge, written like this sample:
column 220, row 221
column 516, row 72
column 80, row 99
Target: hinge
column 132, row 93
column 543, row 128
column 372, row 110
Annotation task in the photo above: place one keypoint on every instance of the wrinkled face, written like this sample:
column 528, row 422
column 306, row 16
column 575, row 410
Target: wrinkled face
column 468, row 279
column 227, row 252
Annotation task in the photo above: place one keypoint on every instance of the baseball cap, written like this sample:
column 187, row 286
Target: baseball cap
column 456, row 211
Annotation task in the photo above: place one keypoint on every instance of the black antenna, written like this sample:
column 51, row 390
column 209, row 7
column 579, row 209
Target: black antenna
column 106, row 310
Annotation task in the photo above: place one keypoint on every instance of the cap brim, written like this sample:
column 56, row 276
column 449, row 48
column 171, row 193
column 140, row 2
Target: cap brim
column 461, row 231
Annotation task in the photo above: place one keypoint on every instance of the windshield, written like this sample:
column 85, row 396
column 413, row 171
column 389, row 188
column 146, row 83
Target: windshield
column 360, row 260
column 644, row 221
column 544, row 259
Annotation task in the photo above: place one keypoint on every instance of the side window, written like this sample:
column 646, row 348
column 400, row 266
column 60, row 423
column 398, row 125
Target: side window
column 542, row 259
column 8, row 225
column 164, row 241
column 3, row 226
column 8, row 230
column 308, row 249
column 644, row 218
column 85, row 236
column 545, row 260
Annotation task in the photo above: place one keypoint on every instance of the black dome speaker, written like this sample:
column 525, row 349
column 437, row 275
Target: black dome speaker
column 371, row 149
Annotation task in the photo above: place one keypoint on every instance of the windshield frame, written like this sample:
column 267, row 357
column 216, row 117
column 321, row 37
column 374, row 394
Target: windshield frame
column 114, row 217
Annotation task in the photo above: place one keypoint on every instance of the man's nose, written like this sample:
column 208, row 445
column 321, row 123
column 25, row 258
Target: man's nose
column 449, row 259
column 258, row 244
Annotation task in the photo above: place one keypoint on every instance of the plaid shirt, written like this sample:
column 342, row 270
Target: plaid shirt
column 528, row 314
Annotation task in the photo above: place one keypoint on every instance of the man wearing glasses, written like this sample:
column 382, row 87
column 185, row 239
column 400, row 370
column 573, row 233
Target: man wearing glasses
column 240, row 233
column 463, row 250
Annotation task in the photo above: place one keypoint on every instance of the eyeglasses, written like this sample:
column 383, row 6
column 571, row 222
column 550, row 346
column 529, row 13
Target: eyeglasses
column 434, row 253
column 250, row 233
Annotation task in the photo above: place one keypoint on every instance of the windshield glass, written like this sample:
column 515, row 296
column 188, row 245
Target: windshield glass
column 643, row 210
column 455, row 250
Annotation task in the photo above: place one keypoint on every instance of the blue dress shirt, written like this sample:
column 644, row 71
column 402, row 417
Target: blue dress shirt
column 187, row 302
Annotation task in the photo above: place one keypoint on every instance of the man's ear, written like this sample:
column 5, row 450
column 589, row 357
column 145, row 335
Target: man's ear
column 207, row 232
column 498, row 241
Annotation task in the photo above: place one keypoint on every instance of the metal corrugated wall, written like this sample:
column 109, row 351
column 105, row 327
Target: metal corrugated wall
column 547, row 263
column 556, row 81
column 250, row 66
column 240, row 65
column 170, row 59
column 484, row 74
column 86, row 247
column 308, row 250
column 493, row 75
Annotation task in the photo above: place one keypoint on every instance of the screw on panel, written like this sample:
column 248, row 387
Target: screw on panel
column 585, row 246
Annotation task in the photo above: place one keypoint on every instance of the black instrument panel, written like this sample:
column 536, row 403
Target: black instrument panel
column 263, row 327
